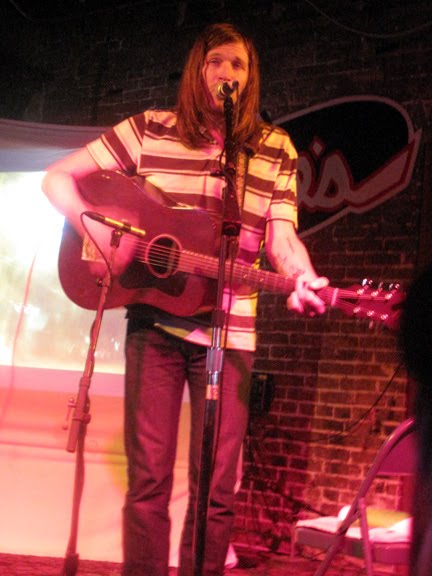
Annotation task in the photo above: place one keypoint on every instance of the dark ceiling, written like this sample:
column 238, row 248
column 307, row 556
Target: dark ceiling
column 177, row 12
column 70, row 9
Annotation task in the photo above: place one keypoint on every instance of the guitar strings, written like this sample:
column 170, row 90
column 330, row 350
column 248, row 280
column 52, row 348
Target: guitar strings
column 178, row 259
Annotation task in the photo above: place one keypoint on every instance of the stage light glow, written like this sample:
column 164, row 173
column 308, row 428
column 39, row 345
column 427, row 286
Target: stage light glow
column 52, row 331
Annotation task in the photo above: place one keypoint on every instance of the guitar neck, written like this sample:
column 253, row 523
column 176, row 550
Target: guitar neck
column 360, row 301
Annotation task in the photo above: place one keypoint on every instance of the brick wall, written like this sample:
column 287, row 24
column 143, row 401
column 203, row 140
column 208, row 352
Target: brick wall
column 337, row 387
column 338, row 392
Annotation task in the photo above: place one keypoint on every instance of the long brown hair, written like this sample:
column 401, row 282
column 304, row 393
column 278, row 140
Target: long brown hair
column 193, row 108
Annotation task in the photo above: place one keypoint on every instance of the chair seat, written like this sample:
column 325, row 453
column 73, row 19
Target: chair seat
column 387, row 543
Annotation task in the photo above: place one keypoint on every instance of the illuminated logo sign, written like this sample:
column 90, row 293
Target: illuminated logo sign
column 354, row 154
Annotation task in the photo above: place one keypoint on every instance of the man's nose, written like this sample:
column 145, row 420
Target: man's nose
column 226, row 71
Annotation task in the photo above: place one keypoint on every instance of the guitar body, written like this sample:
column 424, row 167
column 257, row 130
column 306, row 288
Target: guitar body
column 144, row 280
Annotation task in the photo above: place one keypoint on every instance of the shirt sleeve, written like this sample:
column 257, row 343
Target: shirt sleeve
column 283, row 205
column 119, row 148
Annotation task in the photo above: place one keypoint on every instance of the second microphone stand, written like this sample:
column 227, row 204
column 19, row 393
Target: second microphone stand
column 230, row 231
column 81, row 416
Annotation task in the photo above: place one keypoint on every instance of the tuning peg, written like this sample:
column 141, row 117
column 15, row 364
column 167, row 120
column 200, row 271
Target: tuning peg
column 394, row 286
column 366, row 285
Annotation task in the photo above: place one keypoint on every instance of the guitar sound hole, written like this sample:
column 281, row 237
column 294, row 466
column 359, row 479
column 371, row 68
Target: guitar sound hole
column 163, row 256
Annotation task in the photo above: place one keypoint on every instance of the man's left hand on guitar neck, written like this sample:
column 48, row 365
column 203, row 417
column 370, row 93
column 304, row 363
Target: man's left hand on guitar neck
column 288, row 256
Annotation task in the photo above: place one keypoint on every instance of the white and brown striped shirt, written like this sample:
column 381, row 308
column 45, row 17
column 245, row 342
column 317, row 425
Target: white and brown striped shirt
column 148, row 145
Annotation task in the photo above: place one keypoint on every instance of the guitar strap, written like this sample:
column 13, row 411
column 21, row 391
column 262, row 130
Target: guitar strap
column 241, row 172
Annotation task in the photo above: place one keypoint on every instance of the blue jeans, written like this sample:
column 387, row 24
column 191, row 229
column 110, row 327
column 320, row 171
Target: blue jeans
column 157, row 366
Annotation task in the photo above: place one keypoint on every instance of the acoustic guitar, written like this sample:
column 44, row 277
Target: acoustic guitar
column 175, row 267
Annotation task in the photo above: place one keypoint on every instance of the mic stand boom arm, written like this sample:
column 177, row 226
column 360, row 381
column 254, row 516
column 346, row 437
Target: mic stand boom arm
column 231, row 223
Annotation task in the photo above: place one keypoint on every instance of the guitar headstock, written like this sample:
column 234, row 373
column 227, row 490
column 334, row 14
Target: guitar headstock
column 378, row 304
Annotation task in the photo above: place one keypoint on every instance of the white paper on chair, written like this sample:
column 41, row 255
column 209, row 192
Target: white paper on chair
column 399, row 532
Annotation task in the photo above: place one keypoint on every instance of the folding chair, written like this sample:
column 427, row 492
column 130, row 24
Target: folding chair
column 379, row 537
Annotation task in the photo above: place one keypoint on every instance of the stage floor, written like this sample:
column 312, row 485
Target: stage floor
column 252, row 564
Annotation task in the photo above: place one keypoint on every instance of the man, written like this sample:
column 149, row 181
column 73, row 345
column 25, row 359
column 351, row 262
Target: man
column 182, row 152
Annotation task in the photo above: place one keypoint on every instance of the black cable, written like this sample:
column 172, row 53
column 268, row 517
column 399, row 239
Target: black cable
column 344, row 434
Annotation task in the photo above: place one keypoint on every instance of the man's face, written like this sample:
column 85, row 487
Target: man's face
column 225, row 63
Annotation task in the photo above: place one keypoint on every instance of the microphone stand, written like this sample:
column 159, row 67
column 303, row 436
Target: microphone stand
column 230, row 231
column 81, row 415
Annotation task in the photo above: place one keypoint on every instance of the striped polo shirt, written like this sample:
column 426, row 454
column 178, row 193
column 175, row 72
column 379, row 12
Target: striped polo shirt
column 148, row 145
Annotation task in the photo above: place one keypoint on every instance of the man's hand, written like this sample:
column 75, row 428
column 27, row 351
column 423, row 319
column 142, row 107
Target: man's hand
column 289, row 256
column 304, row 299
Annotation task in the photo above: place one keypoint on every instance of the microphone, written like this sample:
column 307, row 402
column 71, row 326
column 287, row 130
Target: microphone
column 122, row 226
column 224, row 90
